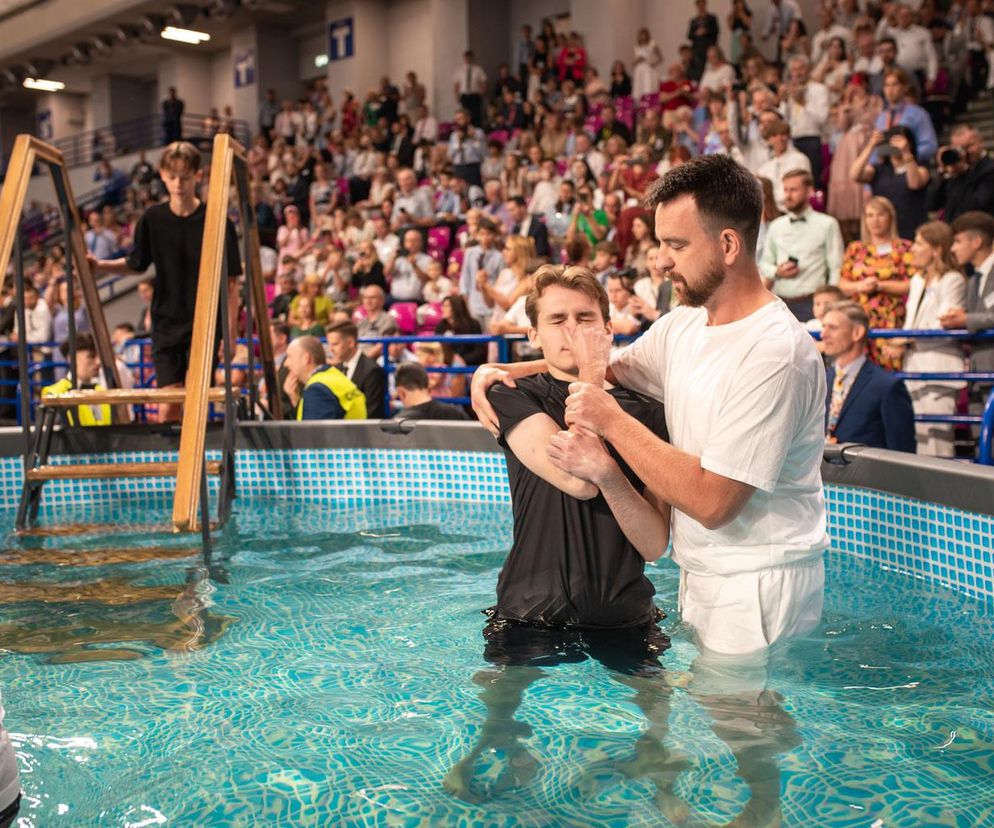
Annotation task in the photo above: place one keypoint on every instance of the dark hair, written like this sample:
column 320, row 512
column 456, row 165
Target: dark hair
column 280, row 328
column 462, row 322
column 975, row 221
column 124, row 326
column 346, row 329
column 412, row 376
column 85, row 343
column 519, row 200
column 726, row 195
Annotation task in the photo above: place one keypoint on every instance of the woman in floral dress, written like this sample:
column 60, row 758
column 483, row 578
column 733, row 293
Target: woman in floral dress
column 876, row 271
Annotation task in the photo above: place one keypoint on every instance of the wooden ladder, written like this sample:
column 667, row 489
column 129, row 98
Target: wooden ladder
column 192, row 468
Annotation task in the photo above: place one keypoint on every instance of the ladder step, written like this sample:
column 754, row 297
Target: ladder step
column 90, row 471
column 124, row 396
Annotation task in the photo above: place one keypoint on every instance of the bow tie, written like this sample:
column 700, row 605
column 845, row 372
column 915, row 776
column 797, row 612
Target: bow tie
column 795, row 220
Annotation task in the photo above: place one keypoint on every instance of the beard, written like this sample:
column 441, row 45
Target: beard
column 696, row 296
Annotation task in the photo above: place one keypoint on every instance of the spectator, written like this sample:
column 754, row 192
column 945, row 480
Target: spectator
column 804, row 104
column 750, row 133
column 611, row 125
column 374, row 321
column 865, row 404
column 915, row 48
column 966, row 175
column 896, row 176
column 900, row 111
column 524, row 224
column 312, row 289
column 441, row 383
column 412, row 95
column 829, row 30
column 172, row 117
column 653, row 135
column 100, row 241
column 418, row 404
column 779, row 17
column 936, row 288
column 621, row 83
column 770, row 212
column 977, row 29
column 739, row 24
column 620, row 296
column 524, row 48
column 875, row 272
column 57, row 301
column 973, row 244
column 305, row 323
column 643, row 240
column 825, row 297
column 316, row 390
column 115, row 184
column 466, row 148
column 409, row 272
column 654, row 297
column 784, row 159
column 425, row 126
column 702, row 34
column 343, row 343
column 84, row 374
column 37, row 326
column 645, row 74
column 292, row 239
column 718, row 75
column 834, row 69
column 469, row 86
column 513, row 281
column 677, row 90
column 854, row 119
column 456, row 321
column 803, row 248
column 413, row 205
column 481, row 264
column 268, row 110
column 571, row 62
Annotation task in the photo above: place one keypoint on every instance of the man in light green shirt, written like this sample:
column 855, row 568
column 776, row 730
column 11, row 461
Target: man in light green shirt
column 803, row 248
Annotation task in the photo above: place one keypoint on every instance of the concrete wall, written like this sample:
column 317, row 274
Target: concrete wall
column 222, row 80
column 191, row 75
column 408, row 30
column 450, row 25
column 532, row 12
column 489, row 36
column 67, row 112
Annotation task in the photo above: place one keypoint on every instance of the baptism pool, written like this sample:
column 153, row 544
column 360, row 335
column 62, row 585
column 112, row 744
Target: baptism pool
column 324, row 666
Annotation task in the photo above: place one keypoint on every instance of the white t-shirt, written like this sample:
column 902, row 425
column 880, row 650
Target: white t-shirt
column 748, row 398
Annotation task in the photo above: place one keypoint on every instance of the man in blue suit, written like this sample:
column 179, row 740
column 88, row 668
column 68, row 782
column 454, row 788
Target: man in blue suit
column 523, row 224
column 865, row 404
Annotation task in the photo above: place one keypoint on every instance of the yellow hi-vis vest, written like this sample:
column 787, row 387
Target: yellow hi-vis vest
column 89, row 415
column 350, row 398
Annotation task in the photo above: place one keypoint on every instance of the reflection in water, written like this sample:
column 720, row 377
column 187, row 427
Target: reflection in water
column 745, row 714
column 94, row 557
column 110, row 618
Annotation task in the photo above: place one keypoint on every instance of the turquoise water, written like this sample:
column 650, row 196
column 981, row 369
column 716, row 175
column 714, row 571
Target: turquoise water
column 326, row 669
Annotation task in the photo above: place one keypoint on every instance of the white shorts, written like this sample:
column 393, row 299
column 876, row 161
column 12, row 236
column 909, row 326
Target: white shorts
column 743, row 613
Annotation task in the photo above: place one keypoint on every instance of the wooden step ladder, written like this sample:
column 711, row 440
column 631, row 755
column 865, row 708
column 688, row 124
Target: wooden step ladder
column 190, row 500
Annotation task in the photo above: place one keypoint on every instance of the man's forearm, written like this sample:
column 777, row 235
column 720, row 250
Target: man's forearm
column 674, row 476
column 517, row 370
column 646, row 529
column 113, row 266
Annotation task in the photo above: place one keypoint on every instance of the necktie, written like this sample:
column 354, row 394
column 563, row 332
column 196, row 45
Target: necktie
column 794, row 220
column 891, row 117
column 516, row 230
column 838, row 399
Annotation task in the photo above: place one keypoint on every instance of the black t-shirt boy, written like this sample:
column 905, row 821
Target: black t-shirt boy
column 173, row 244
column 570, row 564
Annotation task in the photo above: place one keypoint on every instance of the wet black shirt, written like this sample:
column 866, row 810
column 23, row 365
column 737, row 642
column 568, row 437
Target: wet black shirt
column 432, row 410
column 173, row 243
column 570, row 564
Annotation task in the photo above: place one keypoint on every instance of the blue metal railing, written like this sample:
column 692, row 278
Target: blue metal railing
column 42, row 371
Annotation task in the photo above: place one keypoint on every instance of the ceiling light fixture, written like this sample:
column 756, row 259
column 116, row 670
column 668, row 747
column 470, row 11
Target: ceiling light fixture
column 185, row 35
column 42, row 85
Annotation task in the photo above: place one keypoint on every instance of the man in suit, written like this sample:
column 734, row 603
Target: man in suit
column 865, row 404
column 523, row 224
column 343, row 342
column 973, row 245
column 279, row 334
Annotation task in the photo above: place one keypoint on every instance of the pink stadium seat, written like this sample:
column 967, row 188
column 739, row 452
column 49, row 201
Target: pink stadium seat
column 499, row 135
column 439, row 241
column 359, row 314
column 649, row 101
column 457, row 256
column 429, row 315
column 593, row 124
column 818, row 201
column 444, row 130
column 406, row 315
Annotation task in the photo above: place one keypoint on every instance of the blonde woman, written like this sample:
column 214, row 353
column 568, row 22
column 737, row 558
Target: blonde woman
column 511, row 283
column 936, row 287
column 875, row 271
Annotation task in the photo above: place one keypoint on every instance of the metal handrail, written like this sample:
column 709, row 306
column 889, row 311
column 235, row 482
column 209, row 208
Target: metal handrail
column 146, row 132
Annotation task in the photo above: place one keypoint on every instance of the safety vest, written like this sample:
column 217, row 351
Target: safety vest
column 89, row 415
column 350, row 398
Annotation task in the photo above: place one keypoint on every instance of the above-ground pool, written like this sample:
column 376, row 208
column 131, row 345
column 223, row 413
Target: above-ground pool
column 325, row 666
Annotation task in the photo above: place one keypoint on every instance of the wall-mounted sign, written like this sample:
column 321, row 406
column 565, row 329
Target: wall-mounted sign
column 244, row 68
column 341, row 39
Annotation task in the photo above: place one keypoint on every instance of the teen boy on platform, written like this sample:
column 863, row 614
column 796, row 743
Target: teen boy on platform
column 169, row 235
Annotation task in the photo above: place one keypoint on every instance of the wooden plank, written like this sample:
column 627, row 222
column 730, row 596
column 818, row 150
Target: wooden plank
column 15, row 187
column 253, row 272
column 125, row 396
column 46, row 152
column 198, row 377
column 91, row 296
column 108, row 471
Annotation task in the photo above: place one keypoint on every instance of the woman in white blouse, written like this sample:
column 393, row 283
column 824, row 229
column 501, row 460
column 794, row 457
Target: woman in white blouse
column 936, row 287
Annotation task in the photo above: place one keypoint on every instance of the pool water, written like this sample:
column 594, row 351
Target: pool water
column 325, row 667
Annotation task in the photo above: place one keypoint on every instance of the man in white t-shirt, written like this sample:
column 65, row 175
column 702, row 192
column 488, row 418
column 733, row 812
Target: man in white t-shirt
column 744, row 390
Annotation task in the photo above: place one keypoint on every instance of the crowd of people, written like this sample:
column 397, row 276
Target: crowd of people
column 375, row 214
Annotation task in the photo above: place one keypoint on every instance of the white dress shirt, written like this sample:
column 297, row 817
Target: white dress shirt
column 779, row 165
column 808, row 120
column 915, row 51
column 815, row 240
